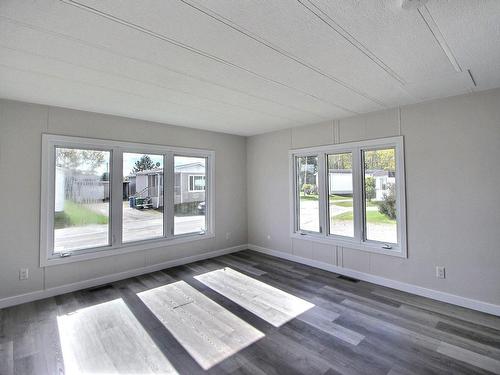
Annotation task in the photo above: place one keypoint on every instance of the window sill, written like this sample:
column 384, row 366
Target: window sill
column 89, row 254
column 375, row 248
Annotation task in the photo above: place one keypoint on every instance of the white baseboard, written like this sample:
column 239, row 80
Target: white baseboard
column 50, row 292
column 410, row 288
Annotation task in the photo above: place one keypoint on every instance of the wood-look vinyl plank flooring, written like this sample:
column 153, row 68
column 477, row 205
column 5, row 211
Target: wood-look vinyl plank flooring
column 245, row 313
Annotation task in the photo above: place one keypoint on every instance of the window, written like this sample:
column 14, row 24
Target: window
column 189, row 195
column 197, row 183
column 142, row 210
column 307, row 190
column 81, row 204
column 105, row 197
column 340, row 194
column 355, row 191
column 379, row 203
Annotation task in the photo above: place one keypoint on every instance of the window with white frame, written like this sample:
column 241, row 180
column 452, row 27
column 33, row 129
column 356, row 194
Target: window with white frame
column 104, row 197
column 351, row 194
column 197, row 183
column 190, row 204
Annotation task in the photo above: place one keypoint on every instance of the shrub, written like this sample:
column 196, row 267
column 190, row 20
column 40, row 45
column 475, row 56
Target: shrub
column 309, row 189
column 388, row 205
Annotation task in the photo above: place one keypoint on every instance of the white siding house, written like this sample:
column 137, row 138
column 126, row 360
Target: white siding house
column 189, row 184
column 340, row 182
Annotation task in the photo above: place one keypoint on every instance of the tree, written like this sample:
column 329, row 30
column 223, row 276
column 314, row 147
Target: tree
column 80, row 160
column 308, row 169
column 380, row 159
column 144, row 163
column 340, row 161
column 370, row 192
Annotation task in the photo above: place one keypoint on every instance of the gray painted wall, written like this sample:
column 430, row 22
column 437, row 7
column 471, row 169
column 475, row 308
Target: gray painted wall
column 21, row 126
column 453, row 204
column 453, row 200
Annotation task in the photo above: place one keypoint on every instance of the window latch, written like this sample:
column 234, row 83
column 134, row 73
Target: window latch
column 64, row 255
column 303, row 234
column 387, row 246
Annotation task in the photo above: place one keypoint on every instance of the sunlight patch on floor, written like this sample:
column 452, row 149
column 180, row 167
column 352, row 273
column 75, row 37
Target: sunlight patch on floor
column 96, row 339
column 269, row 303
column 207, row 331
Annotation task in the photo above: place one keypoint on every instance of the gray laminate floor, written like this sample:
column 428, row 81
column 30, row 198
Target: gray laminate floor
column 245, row 313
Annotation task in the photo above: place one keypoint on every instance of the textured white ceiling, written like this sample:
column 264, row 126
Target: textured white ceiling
column 244, row 67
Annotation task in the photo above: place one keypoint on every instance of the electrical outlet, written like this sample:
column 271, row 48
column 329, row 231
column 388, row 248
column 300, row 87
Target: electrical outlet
column 23, row 274
column 440, row 272
column 228, row 235
column 268, row 236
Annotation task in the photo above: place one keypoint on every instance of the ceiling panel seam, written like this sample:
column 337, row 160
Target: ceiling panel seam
column 330, row 22
column 92, row 45
column 231, row 24
column 438, row 36
column 123, row 76
column 198, row 52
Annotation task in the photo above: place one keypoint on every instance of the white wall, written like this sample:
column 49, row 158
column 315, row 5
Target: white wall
column 21, row 126
column 452, row 150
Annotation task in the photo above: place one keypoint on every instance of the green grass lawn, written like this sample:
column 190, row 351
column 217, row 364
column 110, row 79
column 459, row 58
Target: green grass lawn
column 374, row 217
column 75, row 214
column 308, row 197
column 349, row 203
column 333, row 197
column 342, row 203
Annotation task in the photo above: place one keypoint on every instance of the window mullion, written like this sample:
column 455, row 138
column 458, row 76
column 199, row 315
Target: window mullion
column 116, row 197
column 358, row 194
column 168, row 194
column 322, row 194
column 48, row 206
column 296, row 194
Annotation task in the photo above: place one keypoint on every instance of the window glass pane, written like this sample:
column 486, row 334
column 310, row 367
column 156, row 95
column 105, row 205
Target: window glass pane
column 196, row 183
column 142, row 196
column 380, row 195
column 307, row 186
column 340, row 192
column 82, row 192
column 189, row 194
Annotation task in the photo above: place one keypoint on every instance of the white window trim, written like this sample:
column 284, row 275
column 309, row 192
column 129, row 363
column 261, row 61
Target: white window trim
column 399, row 249
column 117, row 148
column 189, row 183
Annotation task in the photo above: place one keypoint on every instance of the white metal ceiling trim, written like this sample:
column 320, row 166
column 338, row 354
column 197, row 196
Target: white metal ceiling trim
column 330, row 22
column 440, row 39
column 111, row 51
column 196, row 51
column 231, row 24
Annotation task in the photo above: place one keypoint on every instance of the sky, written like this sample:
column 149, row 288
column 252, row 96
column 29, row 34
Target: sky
column 130, row 159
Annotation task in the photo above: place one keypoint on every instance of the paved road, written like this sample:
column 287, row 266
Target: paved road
column 309, row 220
column 137, row 225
